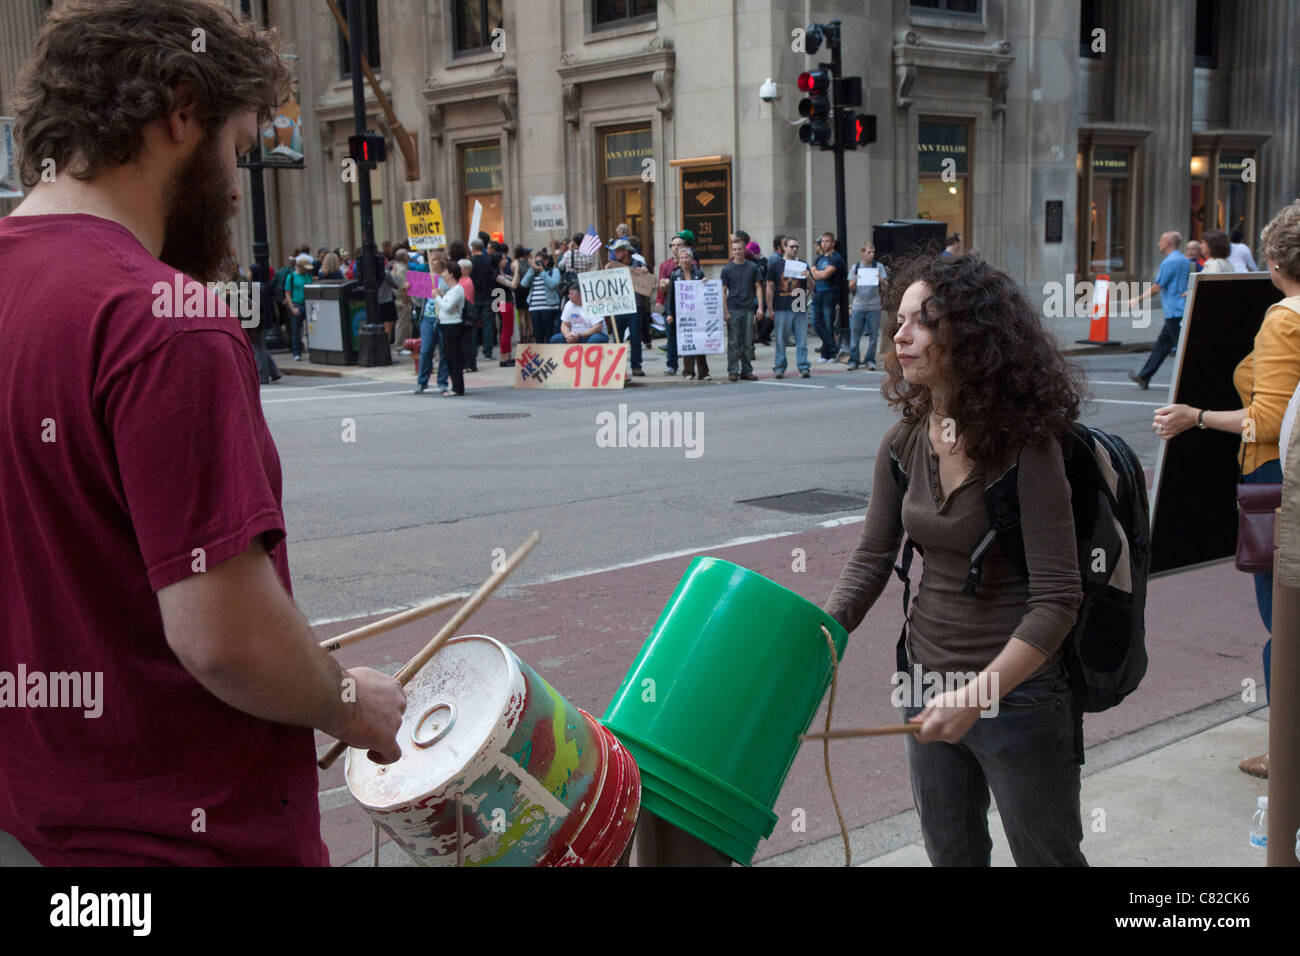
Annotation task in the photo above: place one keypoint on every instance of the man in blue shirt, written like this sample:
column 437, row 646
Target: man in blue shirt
column 828, row 272
column 1171, row 283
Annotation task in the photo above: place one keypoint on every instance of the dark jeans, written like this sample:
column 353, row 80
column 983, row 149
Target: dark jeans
column 1165, row 344
column 1029, row 756
column 823, row 321
column 1269, row 473
column 629, row 330
column 454, row 337
column 267, row 371
column 486, row 334
column 671, row 329
column 428, row 344
column 295, row 329
column 544, row 324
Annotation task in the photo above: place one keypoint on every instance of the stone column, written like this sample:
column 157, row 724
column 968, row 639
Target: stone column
column 1155, row 45
column 1263, row 96
column 20, row 21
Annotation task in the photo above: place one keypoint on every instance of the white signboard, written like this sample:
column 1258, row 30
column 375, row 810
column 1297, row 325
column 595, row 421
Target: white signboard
column 607, row 292
column 701, row 326
column 10, row 187
column 868, row 275
column 476, row 220
column 548, row 213
column 794, row 269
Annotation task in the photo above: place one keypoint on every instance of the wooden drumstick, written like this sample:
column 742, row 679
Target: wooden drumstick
column 412, row 667
column 390, row 622
column 863, row 732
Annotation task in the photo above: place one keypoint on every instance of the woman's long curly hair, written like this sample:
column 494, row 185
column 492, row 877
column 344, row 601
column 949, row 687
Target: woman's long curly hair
column 1012, row 388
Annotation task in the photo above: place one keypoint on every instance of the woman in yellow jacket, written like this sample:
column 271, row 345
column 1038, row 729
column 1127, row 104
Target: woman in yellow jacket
column 1265, row 380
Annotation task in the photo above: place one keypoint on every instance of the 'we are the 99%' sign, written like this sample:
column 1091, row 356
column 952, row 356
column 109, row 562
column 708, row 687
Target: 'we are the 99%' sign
column 573, row 365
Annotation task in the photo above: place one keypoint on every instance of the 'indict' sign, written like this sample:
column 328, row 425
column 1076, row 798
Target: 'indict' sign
column 607, row 292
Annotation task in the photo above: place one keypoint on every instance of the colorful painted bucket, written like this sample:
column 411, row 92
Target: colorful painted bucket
column 541, row 783
column 732, row 673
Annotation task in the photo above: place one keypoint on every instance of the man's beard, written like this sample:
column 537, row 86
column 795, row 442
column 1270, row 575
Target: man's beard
column 196, row 237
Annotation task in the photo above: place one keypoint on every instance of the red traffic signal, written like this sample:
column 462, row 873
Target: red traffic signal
column 857, row 129
column 815, row 108
column 815, row 81
column 367, row 148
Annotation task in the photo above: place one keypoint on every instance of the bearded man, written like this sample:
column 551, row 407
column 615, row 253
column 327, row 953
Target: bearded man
column 142, row 547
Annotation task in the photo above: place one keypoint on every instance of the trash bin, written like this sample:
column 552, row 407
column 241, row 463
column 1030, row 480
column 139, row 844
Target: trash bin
column 332, row 307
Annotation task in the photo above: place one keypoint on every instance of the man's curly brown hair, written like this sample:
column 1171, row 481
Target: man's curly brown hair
column 102, row 69
column 1012, row 388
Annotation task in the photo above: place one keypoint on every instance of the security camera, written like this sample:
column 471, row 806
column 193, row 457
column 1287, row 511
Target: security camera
column 768, row 91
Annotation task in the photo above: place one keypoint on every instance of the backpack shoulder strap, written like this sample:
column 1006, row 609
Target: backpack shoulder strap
column 900, row 450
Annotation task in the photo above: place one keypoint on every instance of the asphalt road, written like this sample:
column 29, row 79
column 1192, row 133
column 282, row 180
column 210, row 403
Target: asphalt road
column 419, row 502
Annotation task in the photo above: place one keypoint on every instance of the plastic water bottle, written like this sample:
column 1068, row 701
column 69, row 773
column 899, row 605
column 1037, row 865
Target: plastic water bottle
column 1259, row 826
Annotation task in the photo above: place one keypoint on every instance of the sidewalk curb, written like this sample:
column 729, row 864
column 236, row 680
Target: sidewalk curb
column 904, row 829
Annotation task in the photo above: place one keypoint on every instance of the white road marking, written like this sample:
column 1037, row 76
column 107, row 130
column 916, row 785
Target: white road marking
column 858, row 388
column 733, row 543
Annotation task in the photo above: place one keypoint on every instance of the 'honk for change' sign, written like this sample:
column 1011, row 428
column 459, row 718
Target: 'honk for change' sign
column 607, row 292
column 424, row 228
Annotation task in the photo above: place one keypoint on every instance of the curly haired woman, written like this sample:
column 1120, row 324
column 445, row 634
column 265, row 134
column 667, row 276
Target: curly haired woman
column 981, row 387
column 1265, row 380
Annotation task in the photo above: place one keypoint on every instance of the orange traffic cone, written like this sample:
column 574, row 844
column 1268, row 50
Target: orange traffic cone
column 1099, row 328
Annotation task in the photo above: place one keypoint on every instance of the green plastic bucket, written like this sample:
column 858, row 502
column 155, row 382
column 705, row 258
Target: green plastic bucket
column 712, row 707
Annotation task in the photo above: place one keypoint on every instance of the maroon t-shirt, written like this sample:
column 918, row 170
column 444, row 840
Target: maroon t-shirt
column 128, row 442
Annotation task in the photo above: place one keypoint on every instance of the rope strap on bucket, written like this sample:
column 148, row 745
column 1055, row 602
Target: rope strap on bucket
column 826, row 746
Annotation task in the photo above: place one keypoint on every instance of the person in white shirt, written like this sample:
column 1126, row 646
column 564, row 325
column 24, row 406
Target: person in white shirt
column 574, row 325
column 1240, row 255
column 450, row 307
column 1215, row 242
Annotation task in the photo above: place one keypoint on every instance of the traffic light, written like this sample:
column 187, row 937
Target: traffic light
column 856, row 129
column 367, row 148
column 815, row 108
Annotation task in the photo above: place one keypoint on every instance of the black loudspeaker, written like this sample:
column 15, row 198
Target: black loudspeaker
column 907, row 237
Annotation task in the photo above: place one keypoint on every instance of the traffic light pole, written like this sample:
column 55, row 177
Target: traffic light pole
column 841, row 205
column 374, row 339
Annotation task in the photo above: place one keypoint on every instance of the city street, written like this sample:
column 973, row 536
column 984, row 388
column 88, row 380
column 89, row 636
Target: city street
column 619, row 526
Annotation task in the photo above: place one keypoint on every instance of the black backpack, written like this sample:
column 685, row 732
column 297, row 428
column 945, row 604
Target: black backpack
column 1105, row 653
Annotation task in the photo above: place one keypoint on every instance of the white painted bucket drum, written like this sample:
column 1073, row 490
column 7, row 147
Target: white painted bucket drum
column 540, row 782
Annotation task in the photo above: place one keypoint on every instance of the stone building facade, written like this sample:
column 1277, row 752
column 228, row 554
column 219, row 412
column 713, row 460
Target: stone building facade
column 1061, row 137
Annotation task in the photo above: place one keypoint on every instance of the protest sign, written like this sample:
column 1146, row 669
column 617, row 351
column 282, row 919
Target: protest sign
column 424, row 229
column 643, row 283
column 10, row 187
column 607, row 292
column 573, row 365
column 421, row 284
column 868, row 275
column 699, row 317
column 548, row 213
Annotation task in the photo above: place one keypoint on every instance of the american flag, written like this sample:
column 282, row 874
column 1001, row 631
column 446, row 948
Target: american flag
column 590, row 242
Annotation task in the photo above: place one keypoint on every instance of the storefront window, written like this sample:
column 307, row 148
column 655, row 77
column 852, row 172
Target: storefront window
column 625, row 194
column 943, row 186
column 1103, row 231
column 1235, row 193
column 481, row 178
